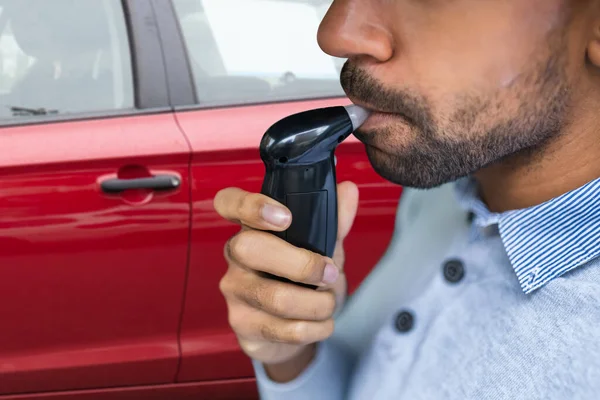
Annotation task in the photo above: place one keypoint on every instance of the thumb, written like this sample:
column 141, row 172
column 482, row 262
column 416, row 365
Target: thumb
column 347, row 208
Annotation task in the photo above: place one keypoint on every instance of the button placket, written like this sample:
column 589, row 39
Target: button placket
column 408, row 324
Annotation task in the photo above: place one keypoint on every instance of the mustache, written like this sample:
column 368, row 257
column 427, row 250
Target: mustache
column 365, row 89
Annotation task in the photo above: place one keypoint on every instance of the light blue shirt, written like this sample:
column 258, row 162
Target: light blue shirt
column 496, row 306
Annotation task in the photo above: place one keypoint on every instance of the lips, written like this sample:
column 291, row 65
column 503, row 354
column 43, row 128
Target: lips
column 377, row 118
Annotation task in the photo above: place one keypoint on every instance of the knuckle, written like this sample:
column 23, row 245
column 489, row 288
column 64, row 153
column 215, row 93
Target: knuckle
column 227, row 250
column 223, row 200
column 328, row 328
column 254, row 295
column 241, row 246
column 327, row 306
column 279, row 301
column 311, row 270
column 248, row 208
column 224, row 286
column 250, row 346
column 230, row 247
column 299, row 333
column 227, row 285
column 218, row 201
column 304, row 332
column 270, row 333
column 269, row 297
column 228, row 289
column 234, row 319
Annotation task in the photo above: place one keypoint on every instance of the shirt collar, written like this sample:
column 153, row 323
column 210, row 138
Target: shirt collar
column 542, row 242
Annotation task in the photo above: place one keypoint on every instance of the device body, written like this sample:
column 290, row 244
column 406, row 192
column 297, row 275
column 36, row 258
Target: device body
column 300, row 172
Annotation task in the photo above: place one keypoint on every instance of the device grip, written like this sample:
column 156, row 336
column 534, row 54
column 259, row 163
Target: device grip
column 310, row 193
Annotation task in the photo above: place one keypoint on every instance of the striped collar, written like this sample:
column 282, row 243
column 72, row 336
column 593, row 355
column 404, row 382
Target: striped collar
column 545, row 241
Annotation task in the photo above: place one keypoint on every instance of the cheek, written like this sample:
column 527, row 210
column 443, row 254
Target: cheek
column 469, row 47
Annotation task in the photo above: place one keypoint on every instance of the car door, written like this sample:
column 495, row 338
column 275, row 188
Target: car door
column 94, row 198
column 250, row 68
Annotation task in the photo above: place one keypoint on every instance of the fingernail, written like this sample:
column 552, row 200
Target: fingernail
column 331, row 274
column 275, row 215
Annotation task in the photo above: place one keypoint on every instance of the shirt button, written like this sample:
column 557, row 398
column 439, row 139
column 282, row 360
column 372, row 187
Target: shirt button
column 404, row 321
column 470, row 217
column 454, row 271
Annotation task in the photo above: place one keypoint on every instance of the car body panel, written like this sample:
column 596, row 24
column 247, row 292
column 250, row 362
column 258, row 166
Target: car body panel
column 232, row 389
column 92, row 284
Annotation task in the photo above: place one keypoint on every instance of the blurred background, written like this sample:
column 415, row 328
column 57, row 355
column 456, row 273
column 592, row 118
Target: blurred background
column 240, row 51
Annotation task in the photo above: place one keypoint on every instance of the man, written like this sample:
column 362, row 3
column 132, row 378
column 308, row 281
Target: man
column 488, row 108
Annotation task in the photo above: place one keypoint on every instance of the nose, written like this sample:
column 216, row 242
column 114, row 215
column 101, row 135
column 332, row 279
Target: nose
column 355, row 28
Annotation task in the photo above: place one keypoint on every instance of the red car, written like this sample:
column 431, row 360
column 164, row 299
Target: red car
column 119, row 121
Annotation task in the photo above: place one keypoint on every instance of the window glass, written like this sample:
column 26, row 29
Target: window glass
column 251, row 51
column 63, row 56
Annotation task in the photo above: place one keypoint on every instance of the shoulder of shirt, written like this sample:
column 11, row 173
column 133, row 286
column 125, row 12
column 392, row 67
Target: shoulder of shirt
column 582, row 283
column 557, row 325
column 516, row 343
column 427, row 221
column 566, row 296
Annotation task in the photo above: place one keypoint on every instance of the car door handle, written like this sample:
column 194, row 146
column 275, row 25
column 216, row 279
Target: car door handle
column 158, row 182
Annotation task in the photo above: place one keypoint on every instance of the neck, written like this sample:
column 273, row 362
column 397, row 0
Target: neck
column 564, row 164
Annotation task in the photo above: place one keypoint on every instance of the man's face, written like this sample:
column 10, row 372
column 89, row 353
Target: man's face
column 460, row 84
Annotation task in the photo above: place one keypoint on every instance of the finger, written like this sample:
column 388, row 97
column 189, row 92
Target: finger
column 252, row 324
column 283, row 300
column 265, row 252
column 261, row 349
column 347, row 208
column 252, row 209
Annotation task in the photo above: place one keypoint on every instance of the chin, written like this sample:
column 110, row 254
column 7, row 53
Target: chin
column 383, row 164
column 407, row 170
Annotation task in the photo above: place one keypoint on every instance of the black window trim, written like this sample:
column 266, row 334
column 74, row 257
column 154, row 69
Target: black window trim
column 151, row 89
column 208, row 107
column 180, row 82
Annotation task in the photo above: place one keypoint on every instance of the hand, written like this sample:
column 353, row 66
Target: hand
column 277, row 322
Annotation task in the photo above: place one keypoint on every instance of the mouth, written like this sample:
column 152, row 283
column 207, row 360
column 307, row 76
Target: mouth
column 378, row 117
column 365, row 105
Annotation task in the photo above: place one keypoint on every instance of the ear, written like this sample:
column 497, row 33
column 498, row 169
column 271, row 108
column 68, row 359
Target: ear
column 594, row 46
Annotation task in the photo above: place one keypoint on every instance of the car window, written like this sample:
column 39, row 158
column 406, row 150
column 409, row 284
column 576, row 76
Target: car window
column 253, row 51
column 63, row 57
